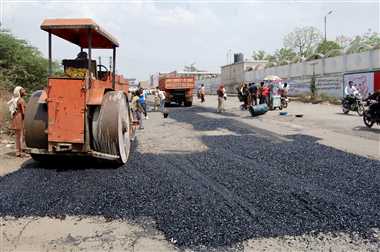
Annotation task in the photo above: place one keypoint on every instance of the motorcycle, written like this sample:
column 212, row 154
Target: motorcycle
column 372, row 114
column 284, row 101
column 353, row 103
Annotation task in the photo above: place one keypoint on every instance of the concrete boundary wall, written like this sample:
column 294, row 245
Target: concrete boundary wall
column 328, row 71
column 211, row 85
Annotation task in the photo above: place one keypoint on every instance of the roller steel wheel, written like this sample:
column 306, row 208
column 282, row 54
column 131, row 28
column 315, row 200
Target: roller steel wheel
column 111, row 126
column 36, row 118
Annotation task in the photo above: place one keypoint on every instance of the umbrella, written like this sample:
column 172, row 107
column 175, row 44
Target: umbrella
column 272, row 78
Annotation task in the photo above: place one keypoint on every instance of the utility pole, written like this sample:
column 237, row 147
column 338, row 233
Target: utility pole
column 326, row 23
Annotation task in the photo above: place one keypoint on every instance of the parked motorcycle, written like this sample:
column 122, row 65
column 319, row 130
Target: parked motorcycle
column 372, row 114
column 353, row 103
column 284, row 101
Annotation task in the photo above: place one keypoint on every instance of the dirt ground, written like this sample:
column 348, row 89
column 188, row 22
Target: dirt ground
column 158, row 209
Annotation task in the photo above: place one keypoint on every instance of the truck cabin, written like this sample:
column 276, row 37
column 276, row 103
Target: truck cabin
column 86, row 34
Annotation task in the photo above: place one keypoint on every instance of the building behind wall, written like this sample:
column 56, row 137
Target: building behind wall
column 232, row 75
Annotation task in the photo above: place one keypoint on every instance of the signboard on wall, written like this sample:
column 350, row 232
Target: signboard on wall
column 364, row 82
column 297, row 87
column 327, row 85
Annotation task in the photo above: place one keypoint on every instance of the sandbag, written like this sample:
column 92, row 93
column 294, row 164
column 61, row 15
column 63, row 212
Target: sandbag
column 258, row 109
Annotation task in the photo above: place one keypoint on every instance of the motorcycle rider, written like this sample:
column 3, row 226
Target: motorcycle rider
column 283, row 90
column 374, row 108
column 351, row 91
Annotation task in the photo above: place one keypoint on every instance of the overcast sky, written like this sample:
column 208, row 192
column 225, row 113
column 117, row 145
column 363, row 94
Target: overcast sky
column 159, row 36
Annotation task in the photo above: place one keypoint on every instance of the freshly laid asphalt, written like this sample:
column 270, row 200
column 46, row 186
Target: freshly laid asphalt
column 247, row 184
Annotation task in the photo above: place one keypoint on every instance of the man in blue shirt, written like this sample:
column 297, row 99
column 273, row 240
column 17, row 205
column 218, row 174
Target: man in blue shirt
column 142, row 98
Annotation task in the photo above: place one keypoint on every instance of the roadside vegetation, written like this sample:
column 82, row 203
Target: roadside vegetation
column 317, row 98
column 21, row 64
column 4, row 115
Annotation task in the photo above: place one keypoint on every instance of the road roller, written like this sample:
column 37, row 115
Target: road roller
column 85, row 111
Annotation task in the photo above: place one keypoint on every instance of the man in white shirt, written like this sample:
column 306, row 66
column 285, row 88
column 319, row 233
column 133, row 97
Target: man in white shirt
column 350, row 89
column 161, row 95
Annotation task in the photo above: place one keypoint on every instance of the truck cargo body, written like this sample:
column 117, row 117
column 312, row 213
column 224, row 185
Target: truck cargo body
column 178, row 89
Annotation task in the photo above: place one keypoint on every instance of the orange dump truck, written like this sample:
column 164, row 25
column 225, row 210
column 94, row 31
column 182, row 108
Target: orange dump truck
column 178, row 89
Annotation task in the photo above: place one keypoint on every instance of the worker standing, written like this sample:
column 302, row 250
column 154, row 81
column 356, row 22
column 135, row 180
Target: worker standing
column 142, row 98
column 137, row 109
column 202, row 93
column 264, row 93
column 222, row 96
column 17, row 110
column 156, row 99
column 246, row 97
column 161, row 95
column 253, row 94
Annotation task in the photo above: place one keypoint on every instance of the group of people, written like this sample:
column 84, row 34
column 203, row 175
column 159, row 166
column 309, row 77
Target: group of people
column 252, row 94
column 221, row 93
column 139, row 107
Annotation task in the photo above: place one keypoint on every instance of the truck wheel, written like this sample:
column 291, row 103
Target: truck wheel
column 188, row 104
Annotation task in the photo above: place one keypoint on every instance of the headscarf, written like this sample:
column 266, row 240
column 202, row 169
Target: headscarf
column 12, row 103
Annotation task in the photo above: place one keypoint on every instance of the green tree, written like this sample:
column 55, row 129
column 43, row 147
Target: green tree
column 22, row 64
column 326, row 46
column 303, row 40
column 284, row 56
column 259, row 55
column 343, row 41
column 365, row 42
column 371, row 38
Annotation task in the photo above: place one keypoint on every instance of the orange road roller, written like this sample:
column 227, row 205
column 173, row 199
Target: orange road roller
column 84, row 112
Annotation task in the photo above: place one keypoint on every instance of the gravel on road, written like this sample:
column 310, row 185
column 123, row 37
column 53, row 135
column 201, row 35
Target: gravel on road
column 210, row 180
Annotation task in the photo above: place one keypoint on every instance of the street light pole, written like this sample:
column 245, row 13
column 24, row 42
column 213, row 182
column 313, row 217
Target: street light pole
column 326, row 23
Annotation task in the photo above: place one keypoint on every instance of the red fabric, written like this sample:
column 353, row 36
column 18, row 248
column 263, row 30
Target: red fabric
column 376, row 81
column 265, row 91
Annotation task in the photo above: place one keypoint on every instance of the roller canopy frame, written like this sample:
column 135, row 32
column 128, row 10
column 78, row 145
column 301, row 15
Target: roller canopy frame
column 76, row 32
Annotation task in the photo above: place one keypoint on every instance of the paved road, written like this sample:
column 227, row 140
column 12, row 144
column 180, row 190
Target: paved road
column 205, row 181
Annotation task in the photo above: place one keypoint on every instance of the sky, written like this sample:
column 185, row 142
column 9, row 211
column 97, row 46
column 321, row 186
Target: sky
column 166, row 35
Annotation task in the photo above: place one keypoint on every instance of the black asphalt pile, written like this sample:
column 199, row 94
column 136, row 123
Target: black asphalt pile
column 246, row 185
